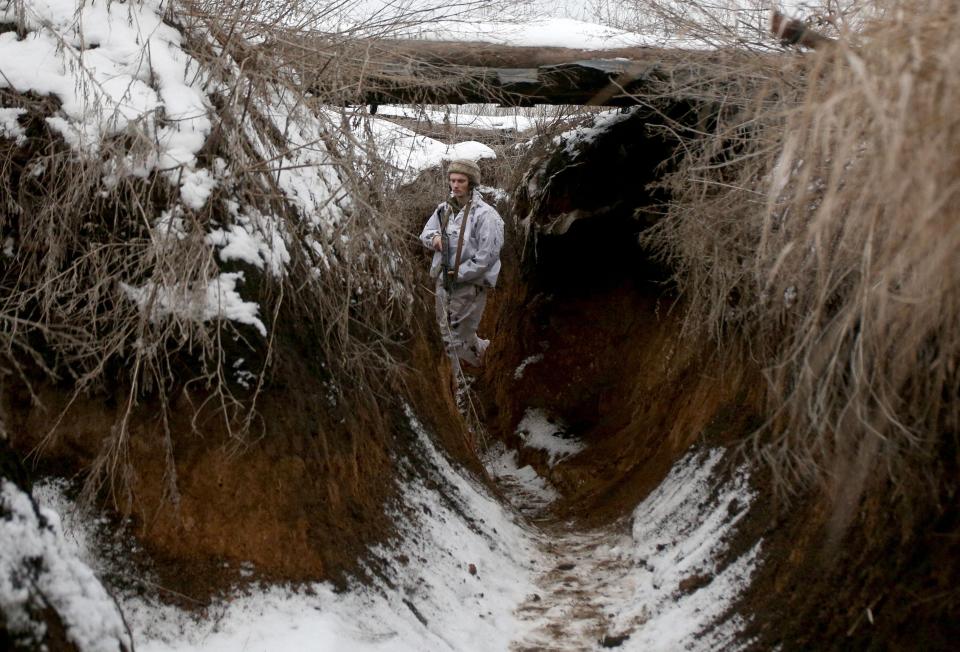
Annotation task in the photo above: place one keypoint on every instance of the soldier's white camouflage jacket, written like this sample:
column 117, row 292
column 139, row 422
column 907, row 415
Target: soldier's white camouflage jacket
column 480, row 258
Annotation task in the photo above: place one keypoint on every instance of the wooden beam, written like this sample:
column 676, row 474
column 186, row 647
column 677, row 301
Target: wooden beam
column 408, row 72
column 375, row 72
column 574, row 82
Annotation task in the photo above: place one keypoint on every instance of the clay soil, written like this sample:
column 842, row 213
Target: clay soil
column 300, row 499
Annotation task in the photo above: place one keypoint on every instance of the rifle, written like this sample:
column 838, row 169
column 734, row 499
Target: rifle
column 445, row 250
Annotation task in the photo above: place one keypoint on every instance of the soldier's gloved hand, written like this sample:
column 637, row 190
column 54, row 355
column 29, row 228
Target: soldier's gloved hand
column 437, row 242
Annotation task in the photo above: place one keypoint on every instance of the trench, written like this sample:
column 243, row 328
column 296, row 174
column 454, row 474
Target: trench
column 594, row 361
column 572, row 377
column 585, row 337
column 586, row 344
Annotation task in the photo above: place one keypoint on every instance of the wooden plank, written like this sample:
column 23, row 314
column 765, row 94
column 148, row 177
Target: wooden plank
column 575, row 82
column 392, row 72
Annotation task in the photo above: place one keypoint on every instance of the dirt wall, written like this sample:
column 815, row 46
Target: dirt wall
column 300, row 498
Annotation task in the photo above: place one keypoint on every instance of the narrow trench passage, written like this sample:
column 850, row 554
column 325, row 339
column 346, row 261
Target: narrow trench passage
column 586, row 572
column 662, row 575
column 593, row 404
column 585, row 311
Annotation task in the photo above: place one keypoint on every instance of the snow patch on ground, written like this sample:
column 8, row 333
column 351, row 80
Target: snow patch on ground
column 680, row 532
column 540, row 32
column 559, row 32
column 539, row 430
column 79, row 526
column 411, row 153
column 626, row 580
column 455, row 118
column 464, row 574
column 530, row 493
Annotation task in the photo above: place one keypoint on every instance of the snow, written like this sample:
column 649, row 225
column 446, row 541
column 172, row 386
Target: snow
column 437, row 545
column 681, row 531
column 10, row 126
column 540, row 431
column 447, row 521
column 572, row 24
column 118, row 69
column 533, row 359
column 169, row 226
column 255, row 239
column 457, row 118
column 112, row 66
column 538, row 24
column 494, row 195
column 585, row 134
column 196, row 187
column 38, row 567
column 301, row 164
column 530, row 493
column 411, row 153
column 216, row 299
column 542, row 32
column 632, row 575
column 552, row 588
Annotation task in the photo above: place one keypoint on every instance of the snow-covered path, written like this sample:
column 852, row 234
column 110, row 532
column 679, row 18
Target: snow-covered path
column 570, row 612
column 584, row 570
column 628, row 585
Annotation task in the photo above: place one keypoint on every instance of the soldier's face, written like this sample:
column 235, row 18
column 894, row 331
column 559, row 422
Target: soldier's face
column 459, row 184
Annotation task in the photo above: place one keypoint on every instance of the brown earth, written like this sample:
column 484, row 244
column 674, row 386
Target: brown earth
column 616, row 370
column 301, row 501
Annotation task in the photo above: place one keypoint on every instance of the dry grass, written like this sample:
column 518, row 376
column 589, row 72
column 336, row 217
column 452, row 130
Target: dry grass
column 346, row 293
column 817, row 218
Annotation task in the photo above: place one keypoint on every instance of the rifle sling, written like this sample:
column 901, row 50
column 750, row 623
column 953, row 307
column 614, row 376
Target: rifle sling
column 463, row 230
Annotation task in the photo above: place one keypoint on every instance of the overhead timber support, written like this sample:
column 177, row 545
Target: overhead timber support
column 383, row 71
column 406, row 72
column 609, row 82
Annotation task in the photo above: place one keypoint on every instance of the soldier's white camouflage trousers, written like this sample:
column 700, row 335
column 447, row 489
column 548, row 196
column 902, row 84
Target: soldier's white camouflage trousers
column 459, row 316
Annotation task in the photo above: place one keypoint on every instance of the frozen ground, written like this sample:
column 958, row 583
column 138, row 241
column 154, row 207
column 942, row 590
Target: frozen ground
column 622, row 585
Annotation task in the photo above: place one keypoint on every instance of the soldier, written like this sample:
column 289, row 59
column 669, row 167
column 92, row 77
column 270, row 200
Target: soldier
column 466, row 235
